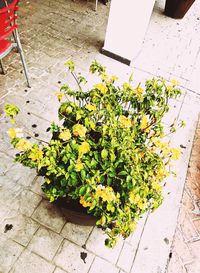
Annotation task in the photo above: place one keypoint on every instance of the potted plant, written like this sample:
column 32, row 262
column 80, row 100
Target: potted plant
column 177, row 8
column 108, row 153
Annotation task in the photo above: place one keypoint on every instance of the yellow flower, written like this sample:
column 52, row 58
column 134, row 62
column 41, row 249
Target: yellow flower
column 79, row 166
column 36, row 154
column 23, row 145
column 125, row 122
column 175, row 82
column 104, row 76
column 15, row 132
column 114, row 78
column 134, row 198
column 83, row 148
column 101, row 87
column 59, row 95
column 144, row 122
column 175, row 153
column 79, row 130
column 139, row 90
column 65, row 135
column 142, row 204
column 156, row 186
column 90, row 107
column 69, row 109
column 106, row 193
column 84, row 203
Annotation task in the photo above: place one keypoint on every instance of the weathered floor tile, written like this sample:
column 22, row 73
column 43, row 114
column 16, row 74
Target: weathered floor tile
column 9, row 252
column 47, row 214
column 73, row 258
column 45, row 243
column 58, row 270
column 27, row 202
column 18, row 227
column 29, row 262
column 126, row 257
column 96, row 244
column 101, row 266
column 76, row 233
column 9, row 191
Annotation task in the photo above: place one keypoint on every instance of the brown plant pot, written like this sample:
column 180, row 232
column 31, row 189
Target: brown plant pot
column 177, row 8
column 75, row 213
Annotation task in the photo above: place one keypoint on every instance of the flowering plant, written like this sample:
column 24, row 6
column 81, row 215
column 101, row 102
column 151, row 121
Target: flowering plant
column 109, row 152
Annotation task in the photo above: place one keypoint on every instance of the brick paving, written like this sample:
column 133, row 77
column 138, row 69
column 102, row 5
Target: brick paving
column 38, row 238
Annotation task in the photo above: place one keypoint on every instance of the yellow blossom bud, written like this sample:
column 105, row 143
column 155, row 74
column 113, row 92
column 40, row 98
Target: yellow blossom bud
column 79, row 130
column 65, row 135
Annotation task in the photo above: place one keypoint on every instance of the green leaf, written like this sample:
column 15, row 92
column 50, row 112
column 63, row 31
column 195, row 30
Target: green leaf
column 104, row 154
column 71, row 65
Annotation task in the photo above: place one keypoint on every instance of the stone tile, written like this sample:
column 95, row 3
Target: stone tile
column 76, row 233
column 29, row 262
column 45, row 243
column 69, row 258
column 30, row 198
column 6, row 162
column 96, row 244
column 126, row 257
column 22, row 228
column 101, row 266
column 9, row 253
column 9, row 191
column 58, row 270
column 27, row 179
column 49, row 215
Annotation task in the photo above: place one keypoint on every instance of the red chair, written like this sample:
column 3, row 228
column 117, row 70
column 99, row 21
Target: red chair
column 8, row 27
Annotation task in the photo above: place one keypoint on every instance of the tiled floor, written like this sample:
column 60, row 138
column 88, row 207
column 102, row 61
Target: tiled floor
column 40, row 239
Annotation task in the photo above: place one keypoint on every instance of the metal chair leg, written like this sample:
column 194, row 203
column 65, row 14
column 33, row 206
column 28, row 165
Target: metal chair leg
column 19, row 46
column 2, row 69
column 96, row 5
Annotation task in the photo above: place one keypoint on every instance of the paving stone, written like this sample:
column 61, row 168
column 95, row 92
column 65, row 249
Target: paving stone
column 76, row 233
column 58, row 270
column 96, row 244
column 21, row 229
column 45, row 243
column 9, row 191
column 9, row 252
column 126, row 257
column 69, row 258
column 29, row 262
column 101, row 266
column 49, row 215
column 27, row 197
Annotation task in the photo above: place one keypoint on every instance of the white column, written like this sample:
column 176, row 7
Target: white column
column 127, row 23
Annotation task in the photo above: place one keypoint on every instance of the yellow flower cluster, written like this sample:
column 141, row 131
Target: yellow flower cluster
column 137, row 200
column 36, row 154
column 83, row 148
column 15, row 132
column 101, row 87
column 175, row 153
column 106, row 193
column 65, row 135
column 144, row 122
column 23, row 145
column 125, row 122
column 139, row 90
column 59, row 95
column 84, row 203
column 79, row 166
column 79, row 130
column 90, row 107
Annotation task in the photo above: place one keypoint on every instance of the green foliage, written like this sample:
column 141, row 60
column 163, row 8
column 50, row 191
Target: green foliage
column 109, row 153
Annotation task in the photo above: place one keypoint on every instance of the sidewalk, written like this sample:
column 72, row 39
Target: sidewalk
column 186, row 245
column 35, row 237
